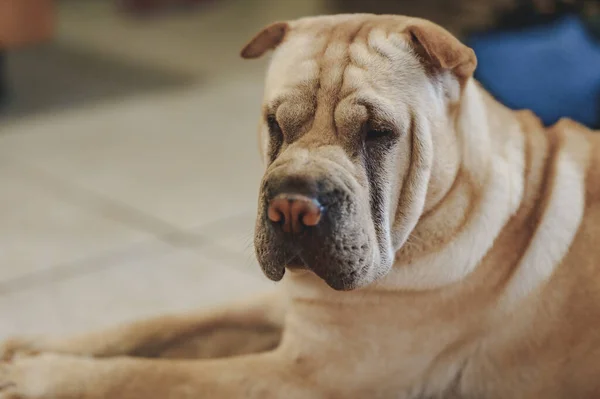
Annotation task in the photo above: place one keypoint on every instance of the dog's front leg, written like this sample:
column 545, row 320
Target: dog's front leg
column 51, row 376
column 150, row 338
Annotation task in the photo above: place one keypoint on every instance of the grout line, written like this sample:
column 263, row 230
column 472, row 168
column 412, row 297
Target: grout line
column 79, row 267
column 116, row 258
column 163, row 232
column 111, row 208
column 126, row 214
column 241, row 262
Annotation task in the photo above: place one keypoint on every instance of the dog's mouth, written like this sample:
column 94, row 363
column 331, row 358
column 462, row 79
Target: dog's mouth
column 343, row 263
column 296, row 263
column 322, row 225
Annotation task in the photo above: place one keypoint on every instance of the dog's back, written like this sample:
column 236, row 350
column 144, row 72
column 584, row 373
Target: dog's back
column 549, row 298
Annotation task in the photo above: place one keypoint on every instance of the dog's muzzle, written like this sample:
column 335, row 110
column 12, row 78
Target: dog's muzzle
column 294, row 212
column 311, row 222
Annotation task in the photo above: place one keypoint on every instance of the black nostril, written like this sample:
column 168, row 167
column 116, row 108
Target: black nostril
column 275, row 215
column 294, row 212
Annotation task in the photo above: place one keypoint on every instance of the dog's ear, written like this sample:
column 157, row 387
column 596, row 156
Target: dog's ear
column 267, row 39
column 440, row 48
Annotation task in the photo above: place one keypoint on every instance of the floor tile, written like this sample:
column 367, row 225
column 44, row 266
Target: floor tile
column 204, row 39
column 235, row 234
column 185, row 157
column 55, row 76
column 41, row 229
column 152, row 284
column 230, row 240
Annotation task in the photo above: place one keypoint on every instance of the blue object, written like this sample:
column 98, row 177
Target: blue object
column 553, row 70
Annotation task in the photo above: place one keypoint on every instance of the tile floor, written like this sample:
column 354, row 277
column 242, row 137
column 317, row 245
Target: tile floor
column 143, row 204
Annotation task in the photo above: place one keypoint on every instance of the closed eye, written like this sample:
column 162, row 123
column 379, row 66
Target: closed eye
column 274, row 128
column 276, row 137
column 378, row 134
column 376, row 130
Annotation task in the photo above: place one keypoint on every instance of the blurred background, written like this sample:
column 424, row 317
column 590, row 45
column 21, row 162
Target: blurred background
column 128, row 158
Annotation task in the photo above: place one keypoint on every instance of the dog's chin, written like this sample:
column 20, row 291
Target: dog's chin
column 339, row 281
column 344, row 280
column 348, row 279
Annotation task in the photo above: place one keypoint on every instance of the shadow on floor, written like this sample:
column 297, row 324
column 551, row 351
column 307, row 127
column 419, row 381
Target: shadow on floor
column 52, row 77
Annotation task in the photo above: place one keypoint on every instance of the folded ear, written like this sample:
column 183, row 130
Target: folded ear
column 442, row 49
column 267, row 39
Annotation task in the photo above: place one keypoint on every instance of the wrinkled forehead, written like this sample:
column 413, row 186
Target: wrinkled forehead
column 367, row 60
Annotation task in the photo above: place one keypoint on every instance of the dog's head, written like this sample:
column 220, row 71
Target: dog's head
column 354, row 107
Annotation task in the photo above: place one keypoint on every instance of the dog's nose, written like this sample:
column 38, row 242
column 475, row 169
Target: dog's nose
column 294, row 212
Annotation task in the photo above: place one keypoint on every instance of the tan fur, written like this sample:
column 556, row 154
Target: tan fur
column 267, row 39
column 493, row 223
column 444, row 50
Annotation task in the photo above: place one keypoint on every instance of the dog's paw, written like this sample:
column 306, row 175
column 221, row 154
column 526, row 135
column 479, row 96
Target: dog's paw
column 36, row 377
column 10, row 381
column 14, row 348
column 7, row 383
